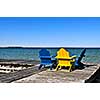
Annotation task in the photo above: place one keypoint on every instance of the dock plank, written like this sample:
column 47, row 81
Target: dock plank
column 10, row 77
column 85, row 75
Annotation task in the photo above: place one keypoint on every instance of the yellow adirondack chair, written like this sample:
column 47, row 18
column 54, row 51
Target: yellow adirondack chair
column 64, row 59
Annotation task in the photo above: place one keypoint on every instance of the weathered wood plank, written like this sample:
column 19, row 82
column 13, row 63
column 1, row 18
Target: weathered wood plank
column 7, row 78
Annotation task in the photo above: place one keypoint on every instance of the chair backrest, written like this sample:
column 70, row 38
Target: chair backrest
column 44, row 52
column 62, row 53
column 45, row 57
column 81, row 55
column 63, row 57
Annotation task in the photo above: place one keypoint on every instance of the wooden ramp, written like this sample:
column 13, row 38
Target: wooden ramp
column 10, row 77
column 11, row 70
column 86, row 75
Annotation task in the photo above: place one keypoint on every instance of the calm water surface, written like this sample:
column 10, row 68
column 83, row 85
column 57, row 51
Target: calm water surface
column 92, row 54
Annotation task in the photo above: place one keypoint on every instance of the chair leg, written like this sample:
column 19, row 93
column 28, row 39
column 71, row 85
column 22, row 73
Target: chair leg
column 40, row 66
column 57, row 67
column 70, row 69
column 51, row 67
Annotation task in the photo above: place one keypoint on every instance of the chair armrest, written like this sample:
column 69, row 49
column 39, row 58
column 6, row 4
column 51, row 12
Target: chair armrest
column 73, row 57
column 45, row 56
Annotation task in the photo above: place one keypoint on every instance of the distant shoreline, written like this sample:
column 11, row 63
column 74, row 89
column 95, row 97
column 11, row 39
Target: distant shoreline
column 10, row 60
column 8, row 47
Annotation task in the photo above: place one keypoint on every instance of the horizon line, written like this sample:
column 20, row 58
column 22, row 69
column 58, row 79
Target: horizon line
column 16, row 46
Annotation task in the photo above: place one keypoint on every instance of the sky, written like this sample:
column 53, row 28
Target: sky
column 50, row 31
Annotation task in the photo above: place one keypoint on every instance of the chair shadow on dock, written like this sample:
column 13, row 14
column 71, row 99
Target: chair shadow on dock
column 89, row 65
column 83, row 66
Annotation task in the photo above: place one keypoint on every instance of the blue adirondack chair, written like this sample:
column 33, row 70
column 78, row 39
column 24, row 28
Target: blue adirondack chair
column 45, row 59
column 78, row 63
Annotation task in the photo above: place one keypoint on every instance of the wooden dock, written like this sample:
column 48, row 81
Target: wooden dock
column 86, row 75
column 27, row 72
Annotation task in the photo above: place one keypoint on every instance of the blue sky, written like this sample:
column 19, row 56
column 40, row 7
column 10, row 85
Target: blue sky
column 54, row 31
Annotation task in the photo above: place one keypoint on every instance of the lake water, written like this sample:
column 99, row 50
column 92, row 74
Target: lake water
column 92, row 54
